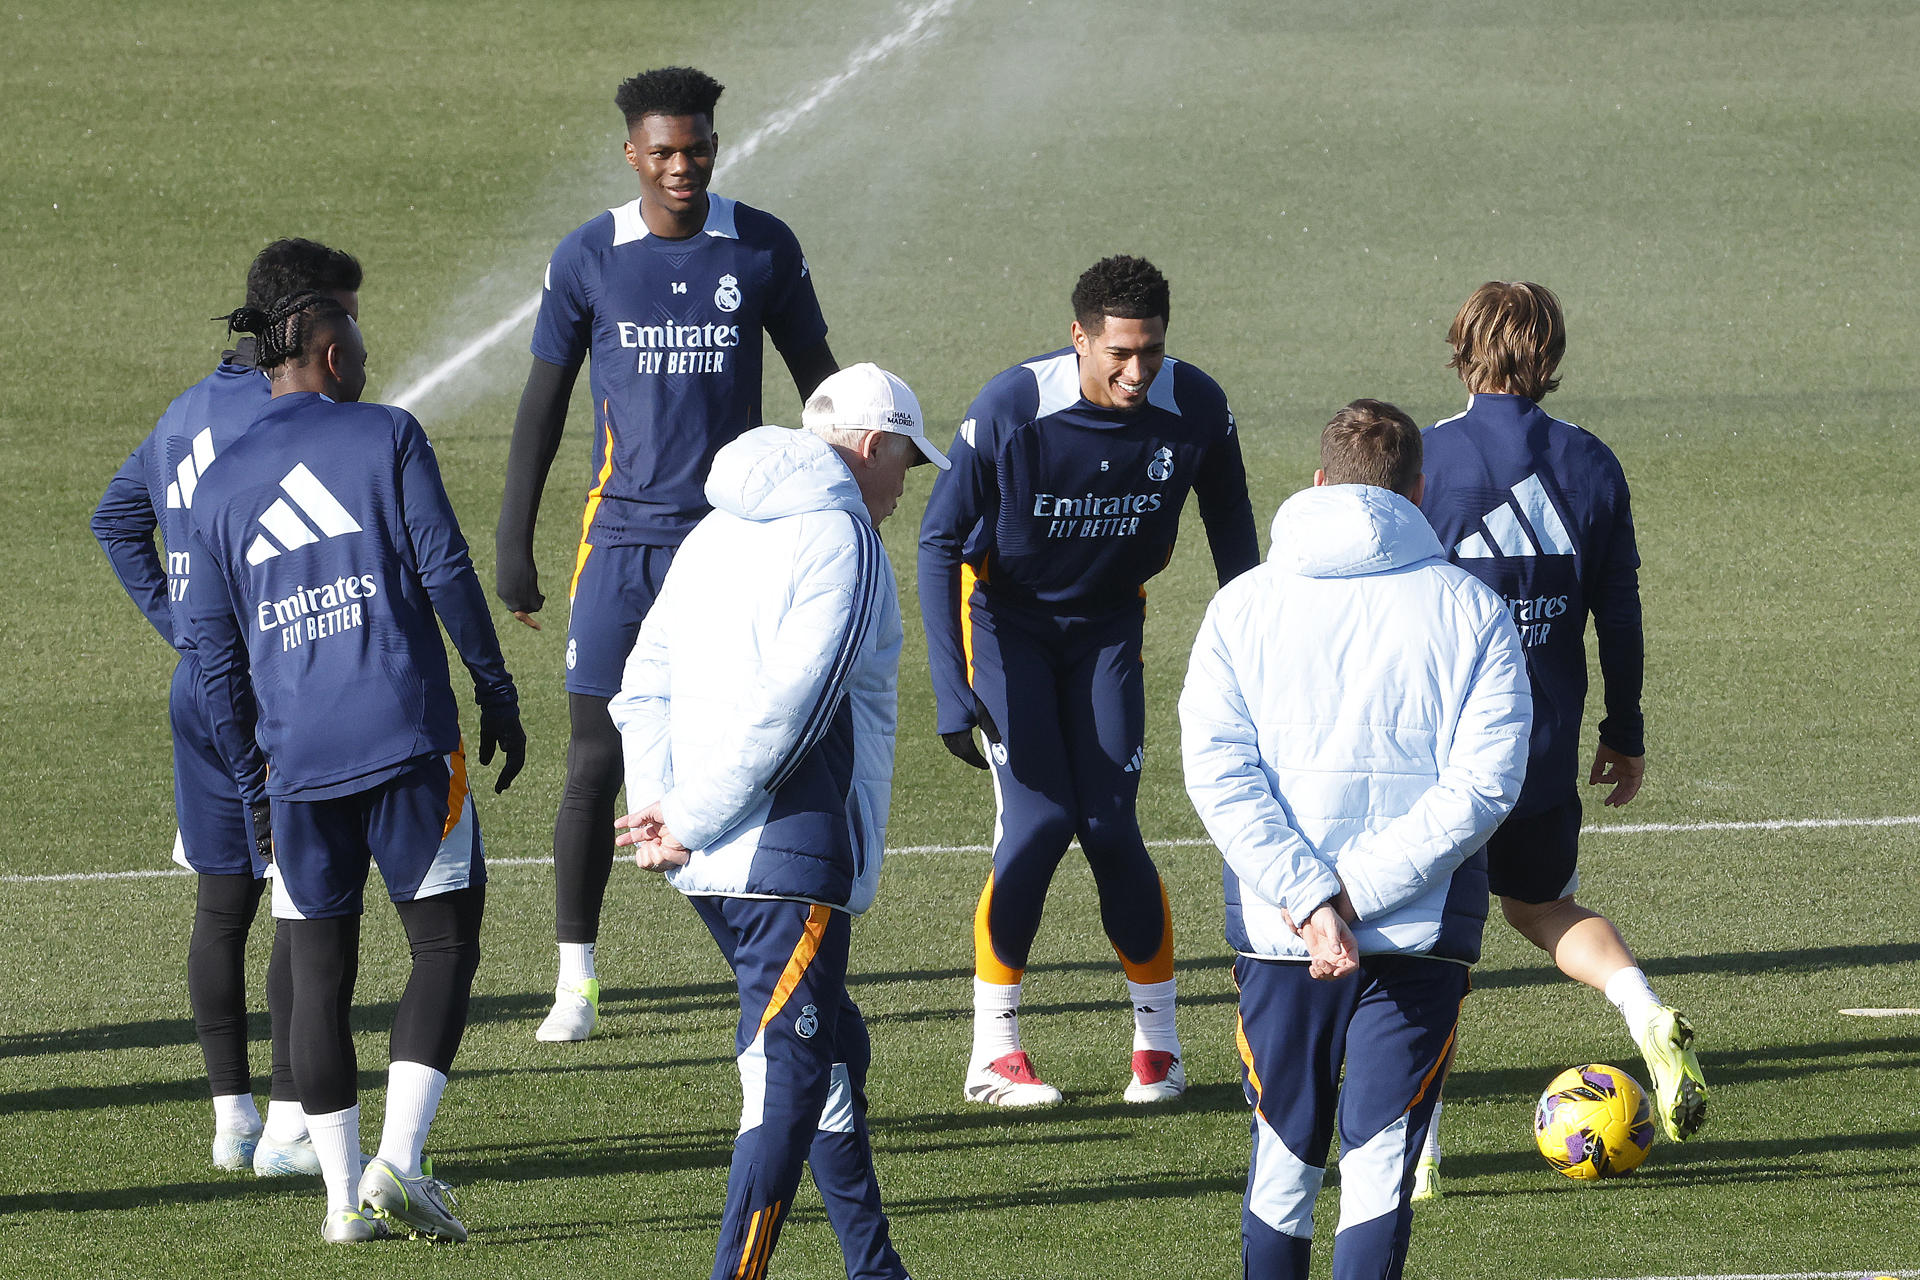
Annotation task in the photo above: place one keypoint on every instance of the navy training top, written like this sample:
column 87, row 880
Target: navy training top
column 1066, row 508
column 1538, row 510
column 155, row 487
column 324, row 545
column 673, row 327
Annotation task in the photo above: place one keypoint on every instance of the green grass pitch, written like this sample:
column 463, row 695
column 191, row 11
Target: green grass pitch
column 1722, row 194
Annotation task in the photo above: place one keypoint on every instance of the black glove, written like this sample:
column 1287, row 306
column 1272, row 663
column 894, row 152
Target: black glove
column 500, row 727
column 960, row 742
column 262, row 815
column 517, row 583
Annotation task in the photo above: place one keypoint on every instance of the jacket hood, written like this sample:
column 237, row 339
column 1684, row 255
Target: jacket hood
column 772, row 472
column 1348, row 530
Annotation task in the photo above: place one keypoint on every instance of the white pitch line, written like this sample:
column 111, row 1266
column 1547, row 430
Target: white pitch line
column 1772, row 824
column 913, row 29
column 1881, row 1013
column 1793, row 1275
column 1617, row 828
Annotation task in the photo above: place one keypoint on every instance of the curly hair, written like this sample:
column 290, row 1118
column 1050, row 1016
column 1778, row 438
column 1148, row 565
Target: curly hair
column 293, row 265
column 284, row 326
column 1127, row 288
column 668, row 91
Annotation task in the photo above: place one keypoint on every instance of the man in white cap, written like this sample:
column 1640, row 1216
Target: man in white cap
column 756, row 715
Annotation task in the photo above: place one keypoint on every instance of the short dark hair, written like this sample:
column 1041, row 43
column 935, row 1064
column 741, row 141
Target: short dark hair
column 291, row 266
column 1509, row 337
column 668, row 91
column 1129, row 288
column 1371, row 442
column 285, row 325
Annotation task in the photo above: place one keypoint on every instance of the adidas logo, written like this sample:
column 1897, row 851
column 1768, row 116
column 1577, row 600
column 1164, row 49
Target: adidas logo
column 1510, row 537
column 1138, row 762
column 288, row 529
column 192, row 467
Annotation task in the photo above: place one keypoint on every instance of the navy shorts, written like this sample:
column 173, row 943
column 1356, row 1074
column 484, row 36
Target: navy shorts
column 1533, row 857
column 214, row 835
column 421, row 828
column 613, row 588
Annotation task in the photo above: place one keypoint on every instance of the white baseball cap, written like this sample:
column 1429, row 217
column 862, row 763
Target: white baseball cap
column 865, row 397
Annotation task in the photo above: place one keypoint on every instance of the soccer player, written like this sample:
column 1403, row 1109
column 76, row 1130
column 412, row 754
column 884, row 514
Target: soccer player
column 324, row 549
column 1538, row 510
column 1354, row 726
column 218, row 839
column 758, row 710
column 669, row 294
column 1069, row 475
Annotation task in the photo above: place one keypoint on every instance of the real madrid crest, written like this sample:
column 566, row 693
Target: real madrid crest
column 808, row 1022
column 1161, row 467
column 727, row 296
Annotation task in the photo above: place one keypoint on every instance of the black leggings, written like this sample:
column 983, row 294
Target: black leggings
column 583, row 831
column 223, row 913
column 443, row 933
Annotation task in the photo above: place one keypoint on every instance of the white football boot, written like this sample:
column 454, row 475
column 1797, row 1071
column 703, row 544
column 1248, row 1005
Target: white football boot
column 419, row 1205
column 1158, row 1076
column 576, row 1011
column 1009, row 1081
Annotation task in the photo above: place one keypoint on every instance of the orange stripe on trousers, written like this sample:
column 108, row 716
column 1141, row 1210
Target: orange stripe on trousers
column 803, row 953
column 746, row 1253
column 1446, row 1052
column 593, row 505
column 456, row 788
column 765, row 1252
column 1246, row 1057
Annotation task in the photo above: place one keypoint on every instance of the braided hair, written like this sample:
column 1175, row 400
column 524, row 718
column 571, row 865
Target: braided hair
column 284, row 327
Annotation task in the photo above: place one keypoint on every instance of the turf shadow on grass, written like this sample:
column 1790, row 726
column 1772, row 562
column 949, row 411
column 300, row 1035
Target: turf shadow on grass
column 1769, row 963
column 238, row 1186
column 601, row 1154
column 1042, row 1124
column 372, row 1084
column 1042, row 1008
column 158, row 1033
column 1132, row 1187
column 1701, row 1162
column 1747, row 1064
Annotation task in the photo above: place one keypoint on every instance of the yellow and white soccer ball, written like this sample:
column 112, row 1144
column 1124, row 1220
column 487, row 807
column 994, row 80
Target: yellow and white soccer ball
column 1593, row 1122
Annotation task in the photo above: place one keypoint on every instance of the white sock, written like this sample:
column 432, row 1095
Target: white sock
column 286, row 1122
column 235, row 1113
column 576, row 963
column 1632, row 996
column 1431, row 1149
column 996, row 1022
column 336, row 1140
column 1153, row 1016
column 413, row 1098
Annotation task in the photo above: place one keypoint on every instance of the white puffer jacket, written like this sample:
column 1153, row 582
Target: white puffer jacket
column 758, row 704
column 1356, row 713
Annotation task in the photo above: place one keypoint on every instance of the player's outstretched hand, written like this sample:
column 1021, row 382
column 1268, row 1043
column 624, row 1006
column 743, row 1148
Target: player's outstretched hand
column 1624, row 772
column 500, row 727
column 654, row 847
column 261, row 815
column 961, row 744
